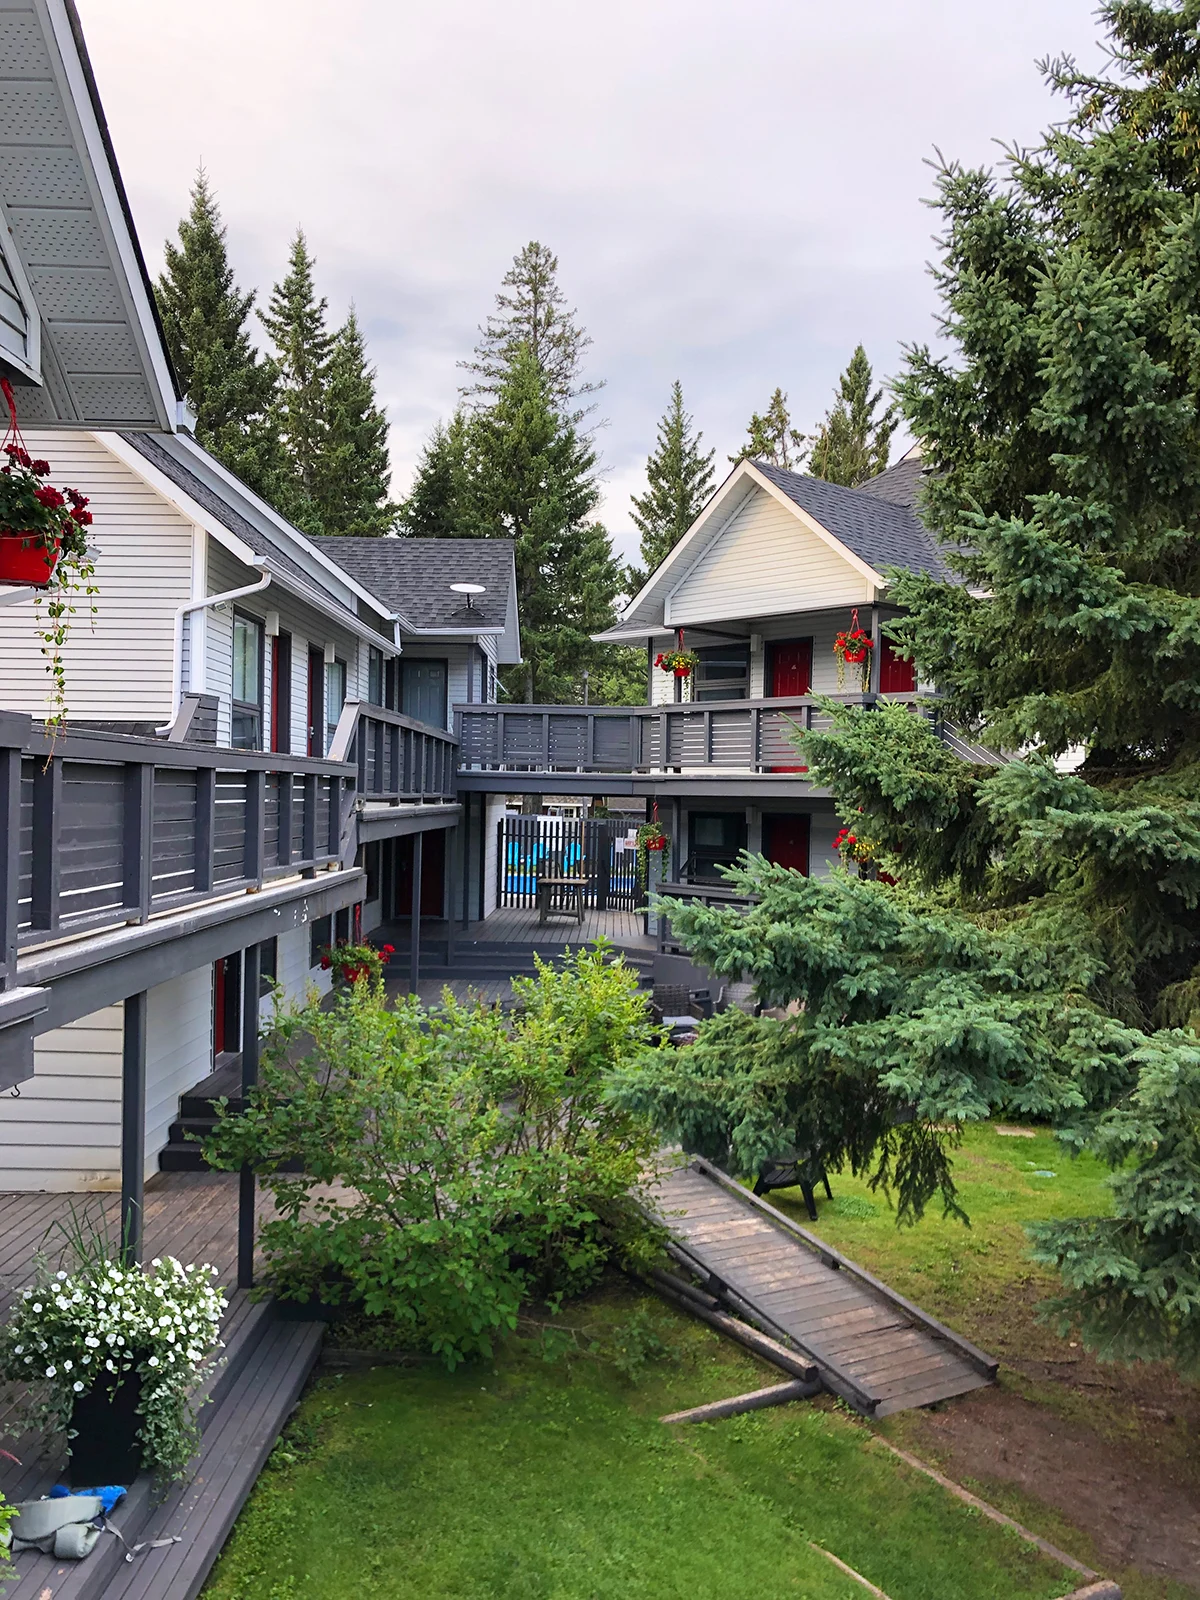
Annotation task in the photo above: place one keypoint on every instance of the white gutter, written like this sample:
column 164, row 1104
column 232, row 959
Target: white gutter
column 11, row 597
column 202, row 605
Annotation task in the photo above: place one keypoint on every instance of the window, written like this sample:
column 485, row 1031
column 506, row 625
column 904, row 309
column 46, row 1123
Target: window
column 391, row 672
column 320, row 934
column 723, row 673
column 375, row 676
column 715, row 839
column 335, row 698
column 341, row 925
column 493, row 683
column 268, row 967
column 246, row 731
column 371, row 863
column 424, row 691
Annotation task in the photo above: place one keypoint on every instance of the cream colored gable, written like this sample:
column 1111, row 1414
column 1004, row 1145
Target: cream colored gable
column 764, row 561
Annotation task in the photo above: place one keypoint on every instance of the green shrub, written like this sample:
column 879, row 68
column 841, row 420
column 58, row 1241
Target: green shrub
column 453, row 1161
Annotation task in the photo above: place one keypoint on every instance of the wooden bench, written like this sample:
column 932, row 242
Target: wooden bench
column 560, row 897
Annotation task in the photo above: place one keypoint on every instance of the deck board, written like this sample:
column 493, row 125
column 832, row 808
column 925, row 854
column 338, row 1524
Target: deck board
column 870, row 1346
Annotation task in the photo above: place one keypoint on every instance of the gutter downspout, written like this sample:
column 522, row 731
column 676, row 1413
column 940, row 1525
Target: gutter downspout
column 202, row 605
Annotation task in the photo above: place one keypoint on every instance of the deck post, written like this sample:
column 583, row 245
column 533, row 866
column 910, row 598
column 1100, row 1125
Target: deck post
column 133, row 1128
column 414, row 969
column 251, row 967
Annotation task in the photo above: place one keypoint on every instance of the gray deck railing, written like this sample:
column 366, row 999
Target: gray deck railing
column 98, row 830
column 398, row 758
column 754, row 735
column 705, row 894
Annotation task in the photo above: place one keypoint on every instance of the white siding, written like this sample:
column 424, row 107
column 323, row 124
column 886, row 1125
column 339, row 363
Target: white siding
column 122, row 668
column 763, row 562
column 178, row 1050
column 497, row 805
column 294, row 973
column 822, row 857
column 822, row 629
column 63, row 1133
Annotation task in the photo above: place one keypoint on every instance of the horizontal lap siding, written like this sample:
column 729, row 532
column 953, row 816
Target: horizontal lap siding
column 764, row 561
column 121, row 669
column 63, row 1133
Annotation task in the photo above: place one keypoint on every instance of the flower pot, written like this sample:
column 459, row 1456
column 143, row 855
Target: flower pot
column 106, row 1448
column 656, row 844
column 683, row 672
column 27, row 558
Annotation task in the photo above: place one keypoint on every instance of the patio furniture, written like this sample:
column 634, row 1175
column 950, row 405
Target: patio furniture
column 560, row 897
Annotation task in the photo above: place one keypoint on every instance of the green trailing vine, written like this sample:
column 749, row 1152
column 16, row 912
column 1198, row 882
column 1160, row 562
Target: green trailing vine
column 649, row 836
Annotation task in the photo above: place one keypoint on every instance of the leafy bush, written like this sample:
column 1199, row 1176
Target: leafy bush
column 452, row 1160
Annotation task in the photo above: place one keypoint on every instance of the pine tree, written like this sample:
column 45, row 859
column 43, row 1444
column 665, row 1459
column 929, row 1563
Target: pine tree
column 350, row 486
column 303, row 344
column 852, row 443
column 1040, row 953
column 532, row 479
column 772, row 437
column 679, row 476
column 204, row 319
column 533, row 317
column 435, row 507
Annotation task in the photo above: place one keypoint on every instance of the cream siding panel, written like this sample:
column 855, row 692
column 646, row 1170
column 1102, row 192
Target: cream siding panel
column 121, row 666
column 178, row 1050
column 497, row 805
column 822, row 629
column 822, row 857
column 764, row 561
column 63, row 1133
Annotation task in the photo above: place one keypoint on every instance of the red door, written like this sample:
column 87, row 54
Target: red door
column 316, row 702
column 281, row 693
column 789, row 667
column 785, row 839
column 433, row 871
column 896, row 676
column 789, row 672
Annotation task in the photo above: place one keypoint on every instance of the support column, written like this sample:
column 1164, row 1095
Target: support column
column 251, row 967
column 133, row 1128
column 414, row 971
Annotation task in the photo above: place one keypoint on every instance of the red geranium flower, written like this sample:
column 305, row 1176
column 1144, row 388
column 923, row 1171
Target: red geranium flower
column 48, row 495
column 40, row 468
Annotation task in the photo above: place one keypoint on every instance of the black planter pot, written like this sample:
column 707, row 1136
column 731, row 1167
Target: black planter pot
column 106, row 1448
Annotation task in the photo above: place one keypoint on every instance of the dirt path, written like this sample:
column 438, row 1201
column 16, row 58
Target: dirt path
column 1135, row 1508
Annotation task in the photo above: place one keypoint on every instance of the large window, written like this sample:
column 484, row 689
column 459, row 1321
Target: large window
column 715, row 839
column 423, row 691
column 335, row 698
column 246, row 732
column 723, row 673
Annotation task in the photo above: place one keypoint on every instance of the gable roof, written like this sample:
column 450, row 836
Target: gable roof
column 878, row 530
column 900, row 483
column 413, row 576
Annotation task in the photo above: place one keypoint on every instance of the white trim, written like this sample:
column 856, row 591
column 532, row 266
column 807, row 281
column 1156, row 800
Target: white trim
column 31, row 364
column 863, row 569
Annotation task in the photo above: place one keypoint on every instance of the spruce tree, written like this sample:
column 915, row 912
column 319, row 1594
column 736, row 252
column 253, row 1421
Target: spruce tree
column 435, row 507
column 1040, row 952
column 204, row 320
column 679, row 477
column 295, row 321
column 350, row 484
column 853, row 444
column 531, row 478
column 532, row 316
column 772, row 438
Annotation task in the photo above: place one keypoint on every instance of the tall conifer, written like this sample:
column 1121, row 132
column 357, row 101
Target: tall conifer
column 204, row 319
column 852, row 444
column 435, row 506
column 296, row 323
column 679, row 476
column 350, row 489
column 772, row 438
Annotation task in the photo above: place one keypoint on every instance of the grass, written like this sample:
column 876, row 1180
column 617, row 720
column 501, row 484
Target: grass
column 542, row 1480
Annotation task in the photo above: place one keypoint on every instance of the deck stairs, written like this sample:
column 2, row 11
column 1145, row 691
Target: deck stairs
column 872, row 1347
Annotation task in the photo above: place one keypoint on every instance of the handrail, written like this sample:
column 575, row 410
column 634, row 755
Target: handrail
column 99, row 830
column 398, row 757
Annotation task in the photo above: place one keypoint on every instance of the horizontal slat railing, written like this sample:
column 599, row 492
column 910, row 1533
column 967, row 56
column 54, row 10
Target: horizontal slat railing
column 746, row 735
column 398, row 758
column 706, row 894
column 107, row 829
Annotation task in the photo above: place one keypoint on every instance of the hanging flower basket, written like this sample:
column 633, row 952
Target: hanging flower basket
column 351, row 963
column 651, row 840
column 680, row 662
column 44, row 547
column 853, row 647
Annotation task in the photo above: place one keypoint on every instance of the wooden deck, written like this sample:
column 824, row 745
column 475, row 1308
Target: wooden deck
column 519, row 924
column 871, row 1346
column 192, row 1216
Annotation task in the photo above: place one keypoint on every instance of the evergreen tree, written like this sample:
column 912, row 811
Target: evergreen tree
column 531, row 478
column 303, row 344
column 1040, row 953
column 435, row 507
column 679, row 477
column 204, row 319
column 531, row 315
column 852, row 443
column 350, row 484
column 772, row 437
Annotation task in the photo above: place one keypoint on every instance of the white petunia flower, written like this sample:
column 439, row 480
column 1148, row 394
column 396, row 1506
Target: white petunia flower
column 50, row 1371
column 78, row 1388
column 37, row 1306
column 18, row 1349
column 153, row 1361
column 62, row 1277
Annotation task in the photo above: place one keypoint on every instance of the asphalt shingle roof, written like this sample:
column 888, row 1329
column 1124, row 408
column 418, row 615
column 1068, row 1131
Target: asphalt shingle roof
column 900, row 483
column 878, row 531
column 157, row 450
column 413, row 577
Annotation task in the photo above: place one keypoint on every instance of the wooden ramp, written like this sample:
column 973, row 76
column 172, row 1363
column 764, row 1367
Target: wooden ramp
column 869, row 1344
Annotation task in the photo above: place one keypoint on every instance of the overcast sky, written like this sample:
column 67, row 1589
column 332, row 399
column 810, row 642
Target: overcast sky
column 734, row 191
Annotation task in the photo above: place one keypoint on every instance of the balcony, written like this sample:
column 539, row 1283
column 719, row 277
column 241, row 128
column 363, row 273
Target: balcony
column 751, row 737
column 398, row 759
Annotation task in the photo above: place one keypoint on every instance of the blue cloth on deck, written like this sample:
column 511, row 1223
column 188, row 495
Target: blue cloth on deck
column 111, row 1494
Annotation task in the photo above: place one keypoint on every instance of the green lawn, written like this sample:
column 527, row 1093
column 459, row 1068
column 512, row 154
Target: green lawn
column 536, row 1479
